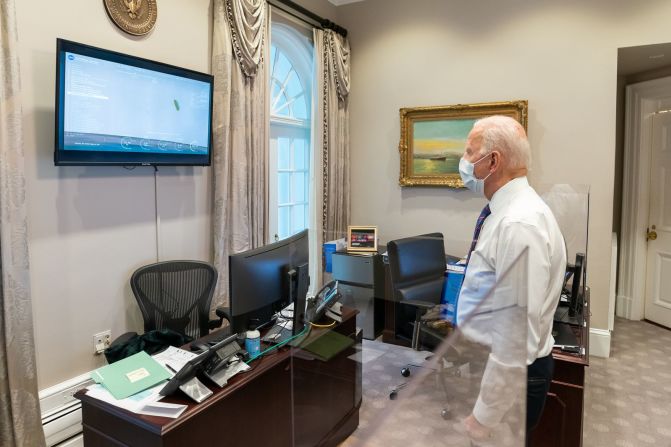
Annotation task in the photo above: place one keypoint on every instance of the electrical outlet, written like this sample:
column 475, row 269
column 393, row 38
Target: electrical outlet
column 101, row 341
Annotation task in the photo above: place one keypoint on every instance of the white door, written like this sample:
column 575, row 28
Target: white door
column 658, row 280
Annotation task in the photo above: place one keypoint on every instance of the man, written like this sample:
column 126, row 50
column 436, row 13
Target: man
column 518, row 255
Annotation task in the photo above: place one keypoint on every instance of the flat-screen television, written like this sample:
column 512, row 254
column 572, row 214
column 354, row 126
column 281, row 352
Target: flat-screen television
column 117, row 109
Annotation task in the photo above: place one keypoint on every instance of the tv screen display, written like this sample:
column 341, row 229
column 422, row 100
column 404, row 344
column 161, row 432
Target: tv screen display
column 117, row 109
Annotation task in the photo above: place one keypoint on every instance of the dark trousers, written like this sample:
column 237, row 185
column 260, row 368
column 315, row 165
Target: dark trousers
column 539, row 376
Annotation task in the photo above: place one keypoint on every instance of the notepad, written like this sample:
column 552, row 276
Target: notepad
column 130, row 375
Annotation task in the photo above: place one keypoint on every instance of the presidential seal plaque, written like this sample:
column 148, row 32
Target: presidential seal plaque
column 136, row 17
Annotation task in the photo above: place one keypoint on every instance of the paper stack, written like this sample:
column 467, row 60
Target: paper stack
column 118, row 383
column 130, row 375
column 144, row 402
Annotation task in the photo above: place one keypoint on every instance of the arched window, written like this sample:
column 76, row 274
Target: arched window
column 291, row 73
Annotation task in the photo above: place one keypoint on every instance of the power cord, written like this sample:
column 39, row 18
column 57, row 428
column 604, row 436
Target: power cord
column 281, row 314
column 323, row 326
column 157, row 215
column 265, row 351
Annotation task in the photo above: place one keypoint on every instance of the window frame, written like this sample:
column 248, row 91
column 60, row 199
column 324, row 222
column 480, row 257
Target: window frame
column 296, row 44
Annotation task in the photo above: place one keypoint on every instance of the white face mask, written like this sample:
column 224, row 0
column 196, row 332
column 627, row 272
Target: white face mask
column 471, row 182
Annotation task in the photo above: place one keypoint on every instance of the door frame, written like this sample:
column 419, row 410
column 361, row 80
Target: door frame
column 642, row 102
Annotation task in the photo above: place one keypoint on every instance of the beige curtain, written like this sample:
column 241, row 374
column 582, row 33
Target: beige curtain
column 334, row 93
column 20, row 423
column 331, row 190
column 240, row 131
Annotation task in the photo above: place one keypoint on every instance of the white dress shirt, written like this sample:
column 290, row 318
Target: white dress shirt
column 515, row 273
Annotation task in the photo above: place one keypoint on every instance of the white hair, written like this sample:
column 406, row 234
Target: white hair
column 506, row 135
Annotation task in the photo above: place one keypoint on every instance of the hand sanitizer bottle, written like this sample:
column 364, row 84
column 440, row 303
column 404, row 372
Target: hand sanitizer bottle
column 253, row 342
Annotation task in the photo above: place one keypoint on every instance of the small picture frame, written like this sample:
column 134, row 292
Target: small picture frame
column 362, row 238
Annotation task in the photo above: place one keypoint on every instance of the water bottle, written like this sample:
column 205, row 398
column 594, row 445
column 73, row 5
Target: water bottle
column 253, row 343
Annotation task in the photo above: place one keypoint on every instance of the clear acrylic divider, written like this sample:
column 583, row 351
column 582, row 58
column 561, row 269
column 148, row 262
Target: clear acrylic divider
column 349, row 390
column 570, row 206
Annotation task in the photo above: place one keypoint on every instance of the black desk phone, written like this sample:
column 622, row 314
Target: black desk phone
column 222, row 356
column 325, row 298
column 209, row 361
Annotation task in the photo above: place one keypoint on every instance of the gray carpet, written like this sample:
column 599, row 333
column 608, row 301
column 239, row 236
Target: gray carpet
column 628, row 396
column 415, row 417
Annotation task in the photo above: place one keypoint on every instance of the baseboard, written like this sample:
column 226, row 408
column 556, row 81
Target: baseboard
column 61, row 411
column 599, row 342
column 623, row 306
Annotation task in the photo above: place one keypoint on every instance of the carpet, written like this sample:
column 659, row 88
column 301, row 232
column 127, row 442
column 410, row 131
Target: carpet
column 415, row 417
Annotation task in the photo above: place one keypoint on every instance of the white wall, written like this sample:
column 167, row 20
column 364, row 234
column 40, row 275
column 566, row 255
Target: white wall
column 561, row 56
column 322, row 8
column 90, row 227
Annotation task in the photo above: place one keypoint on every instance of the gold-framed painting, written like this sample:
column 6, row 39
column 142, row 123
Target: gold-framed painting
column 433, row 139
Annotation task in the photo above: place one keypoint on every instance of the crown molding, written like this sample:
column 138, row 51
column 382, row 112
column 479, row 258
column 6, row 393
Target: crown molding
column 343, row 2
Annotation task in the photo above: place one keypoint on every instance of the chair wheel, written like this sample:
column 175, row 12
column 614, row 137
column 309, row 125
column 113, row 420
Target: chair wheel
column 445, row 414
column 405, row 372
column 393, row 395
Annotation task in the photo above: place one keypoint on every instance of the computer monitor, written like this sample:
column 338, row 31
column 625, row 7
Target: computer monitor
column 260, row 280
column 570, row 310
column 300, row 282
column 578, row 285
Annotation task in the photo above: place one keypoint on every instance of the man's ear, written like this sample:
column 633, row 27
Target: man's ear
column 495, row 160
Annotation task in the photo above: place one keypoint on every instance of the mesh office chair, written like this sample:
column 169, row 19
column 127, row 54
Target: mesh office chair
column 176, row 295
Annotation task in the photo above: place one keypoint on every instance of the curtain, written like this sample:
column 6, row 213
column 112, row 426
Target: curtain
column 331, row 188
column 20, row 422
column 240, row 131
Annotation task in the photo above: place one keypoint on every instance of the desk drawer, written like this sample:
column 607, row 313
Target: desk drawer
column 569, row 372
column 353, row 268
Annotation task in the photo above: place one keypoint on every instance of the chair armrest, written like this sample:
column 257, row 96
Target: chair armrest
column 223, row 313
column 214, row 324
column 419, row 303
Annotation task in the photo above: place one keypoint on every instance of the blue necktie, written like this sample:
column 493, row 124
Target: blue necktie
column 478, row 226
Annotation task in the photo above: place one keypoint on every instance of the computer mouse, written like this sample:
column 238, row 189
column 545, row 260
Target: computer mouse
column 200, row 347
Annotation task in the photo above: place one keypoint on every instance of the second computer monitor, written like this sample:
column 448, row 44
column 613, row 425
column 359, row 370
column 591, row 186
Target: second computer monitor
column 578, row 285
column 260, row 280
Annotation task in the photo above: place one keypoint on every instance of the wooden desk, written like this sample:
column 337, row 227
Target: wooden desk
column 562, row 421
column 254, row 408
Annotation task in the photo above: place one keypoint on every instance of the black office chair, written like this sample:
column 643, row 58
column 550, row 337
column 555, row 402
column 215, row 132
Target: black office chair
column 176, row 295
column 417, row 267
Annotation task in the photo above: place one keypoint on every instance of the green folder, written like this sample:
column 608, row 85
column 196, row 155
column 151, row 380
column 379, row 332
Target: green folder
column 327, row 345
column 130, row 375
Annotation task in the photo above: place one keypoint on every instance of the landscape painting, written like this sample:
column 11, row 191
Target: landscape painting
column 433, row 139
column 438, row 145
